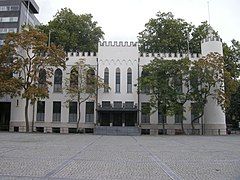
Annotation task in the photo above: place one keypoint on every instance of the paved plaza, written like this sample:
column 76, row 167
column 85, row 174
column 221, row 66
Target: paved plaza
column 56, row 156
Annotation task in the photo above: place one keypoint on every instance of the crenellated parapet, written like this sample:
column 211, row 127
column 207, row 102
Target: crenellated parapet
column 169, row 55
column 213, row 38
column 81, row 54
column 118, row 44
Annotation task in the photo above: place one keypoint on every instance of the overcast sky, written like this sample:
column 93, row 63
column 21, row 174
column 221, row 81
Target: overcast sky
column 122, row 20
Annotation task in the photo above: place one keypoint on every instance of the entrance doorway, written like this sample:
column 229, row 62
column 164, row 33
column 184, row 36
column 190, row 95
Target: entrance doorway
column 5, row 111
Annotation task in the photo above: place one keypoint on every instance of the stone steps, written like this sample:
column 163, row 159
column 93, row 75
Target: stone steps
column 117, row 130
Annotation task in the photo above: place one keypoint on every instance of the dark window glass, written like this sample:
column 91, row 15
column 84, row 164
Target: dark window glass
column 40, row 110
column 106, row 79
column 72, row 111
column 118, row 80
column 57, row 81
column 129, row 80
column 89, row 112
column 56, row 111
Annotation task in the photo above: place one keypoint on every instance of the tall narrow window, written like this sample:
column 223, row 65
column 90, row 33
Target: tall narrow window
column 194, row 112
column 145, row 88
column 57, row 81
column 178, row 84
column 179, row 115
column 118, row 79
column 74, row 78
column 129, row 80
column 90, row 80
column 89, row 112
column 56, row 111
column 40, row 111
column 145, row 112
column 161, row 117
column 72, row 111
column 42, row 78
column 106, row 80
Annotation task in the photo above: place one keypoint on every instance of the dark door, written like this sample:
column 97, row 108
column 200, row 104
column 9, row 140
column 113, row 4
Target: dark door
column 5, row 111
column 104, row 119
column 130, row 118
column 117, row 119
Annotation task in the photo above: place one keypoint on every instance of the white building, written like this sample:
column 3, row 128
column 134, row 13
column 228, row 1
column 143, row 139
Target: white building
column 119, row 64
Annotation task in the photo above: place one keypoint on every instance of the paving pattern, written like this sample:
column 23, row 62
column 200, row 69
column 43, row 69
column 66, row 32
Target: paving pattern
column 56, row 156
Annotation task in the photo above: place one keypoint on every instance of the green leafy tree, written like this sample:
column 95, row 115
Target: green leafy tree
column 29, row 54
column 231, row 60
column 74, row 32
column 166, row 95
column 207, row 81
column 82, row 85
column 166, row 34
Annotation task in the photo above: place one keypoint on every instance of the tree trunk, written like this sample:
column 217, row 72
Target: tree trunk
column 182, row 127
column 79, row 117
column 26, row 115
column 163, row 125
column 192, row 122
column 33, row 115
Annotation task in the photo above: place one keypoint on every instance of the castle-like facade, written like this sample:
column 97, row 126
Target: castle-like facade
column 120, row 65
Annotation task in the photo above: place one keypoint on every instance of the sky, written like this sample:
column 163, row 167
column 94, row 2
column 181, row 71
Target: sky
column 122, row 20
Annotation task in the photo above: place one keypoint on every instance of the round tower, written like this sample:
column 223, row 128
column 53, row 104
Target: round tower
column 214, row 118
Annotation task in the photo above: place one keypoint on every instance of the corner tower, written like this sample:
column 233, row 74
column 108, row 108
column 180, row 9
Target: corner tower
column 214, row 121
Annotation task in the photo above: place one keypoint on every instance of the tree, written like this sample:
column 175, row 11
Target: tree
column 165, row 34
column 29, row 54
column 82, row 85
column 207, row 81
column 74, row 32
column 168, row 34
column 165, row 91
column 231, row 60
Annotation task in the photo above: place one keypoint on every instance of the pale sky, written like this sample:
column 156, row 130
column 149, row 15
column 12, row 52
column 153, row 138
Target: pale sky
column 122, row 20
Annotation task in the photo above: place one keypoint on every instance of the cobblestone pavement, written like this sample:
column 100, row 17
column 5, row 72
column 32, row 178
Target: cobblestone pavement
column 55, row 156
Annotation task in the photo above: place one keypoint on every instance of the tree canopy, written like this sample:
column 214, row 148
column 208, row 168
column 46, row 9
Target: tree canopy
column 28, row 54
column 74, row 32
column 166, row 34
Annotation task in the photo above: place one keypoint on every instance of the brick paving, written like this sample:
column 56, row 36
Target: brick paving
column 56, row 156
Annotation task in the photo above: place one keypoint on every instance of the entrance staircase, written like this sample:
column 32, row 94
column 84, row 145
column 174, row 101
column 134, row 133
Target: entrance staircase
column 117, row 130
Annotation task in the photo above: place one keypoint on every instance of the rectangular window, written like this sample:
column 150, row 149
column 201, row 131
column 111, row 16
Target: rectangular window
column 40, row 111
column 89, row 112
column 56, row 111
column 129, row 105
column 106, row 104
column 72, row 112
column 8, row 19
column 117, row 104
column 7, row 30
column 9, row 8
column 145, row 112
column 194, row 112
column 161, row 118
column 179, row 116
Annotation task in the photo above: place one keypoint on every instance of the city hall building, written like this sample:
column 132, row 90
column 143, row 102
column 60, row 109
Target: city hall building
column 116, row 110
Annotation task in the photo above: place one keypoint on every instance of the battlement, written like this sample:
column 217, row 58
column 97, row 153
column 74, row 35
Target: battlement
column 118, row 44
column 169, row 55
column 208, row 39
column 81, row 54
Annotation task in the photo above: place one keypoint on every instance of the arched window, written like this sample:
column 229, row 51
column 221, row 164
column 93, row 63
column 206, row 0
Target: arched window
column 73, row 78
column 57, row 81
column 90, row 80
column 129, row 80
column 145, row 89
column 42, row 78
column 106, row 79
column 118, row 79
